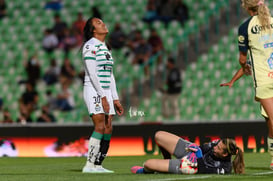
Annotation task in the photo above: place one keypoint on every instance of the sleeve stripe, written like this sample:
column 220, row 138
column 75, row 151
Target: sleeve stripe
column 89, row 58
column 102, row 60
column 102, row 81
column 104, row 75
column 101, row 65
column 104, row 70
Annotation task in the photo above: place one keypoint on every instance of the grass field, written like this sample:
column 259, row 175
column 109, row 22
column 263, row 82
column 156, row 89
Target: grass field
column 59, row 169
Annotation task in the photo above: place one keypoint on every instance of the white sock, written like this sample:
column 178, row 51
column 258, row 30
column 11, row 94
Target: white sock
column 270, row 147
column 93, row 150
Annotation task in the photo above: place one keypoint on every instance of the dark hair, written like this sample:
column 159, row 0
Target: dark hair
column 233, row 149
column 88, row 32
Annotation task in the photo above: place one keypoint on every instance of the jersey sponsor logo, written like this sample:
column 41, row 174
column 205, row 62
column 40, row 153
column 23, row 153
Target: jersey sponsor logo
column 257, row 29
column 270, row 61
column 268, row 45
column 241, row 39
column 270, row 75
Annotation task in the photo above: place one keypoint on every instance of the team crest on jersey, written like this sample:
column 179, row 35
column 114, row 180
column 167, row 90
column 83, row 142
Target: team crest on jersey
column 93, row 52
column 241, row 39
column 97, row 108
column 107, row 55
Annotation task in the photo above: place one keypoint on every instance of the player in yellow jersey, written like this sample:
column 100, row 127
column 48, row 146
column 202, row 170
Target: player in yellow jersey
column 255, row 38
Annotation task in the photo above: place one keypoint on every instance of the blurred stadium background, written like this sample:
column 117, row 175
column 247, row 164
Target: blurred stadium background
column 205, row 48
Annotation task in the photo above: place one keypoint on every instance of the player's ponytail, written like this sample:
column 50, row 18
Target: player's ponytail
column 232, row 149
column 261, row 9
column 263, row 14
column 238, row 162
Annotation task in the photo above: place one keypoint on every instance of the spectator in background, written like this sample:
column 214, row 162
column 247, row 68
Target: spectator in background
column 174, row 88
column 155, row 41
column 65, row 100
column 79, row 24
column 142, row 54
column 46, row 116
column 69, row 41
column 28, row 103
column 3, row 9
column 166, row 11
column 59, row 27
column 151, row 12
column 67, row 73
column 55, row 5
column 33, row 69
column 117, row 38
column 95, row 12
column 50, row 41
column 181, row 12
column 134, row 39
column 7, row 116
column 157, row 46
column 52, row 74
column 51, row 100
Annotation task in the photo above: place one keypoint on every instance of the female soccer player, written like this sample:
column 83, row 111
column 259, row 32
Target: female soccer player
column 212, row 157
column 99, row 92
column 255, row 36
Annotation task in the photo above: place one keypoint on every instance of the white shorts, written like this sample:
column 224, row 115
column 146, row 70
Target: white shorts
column 93, row 101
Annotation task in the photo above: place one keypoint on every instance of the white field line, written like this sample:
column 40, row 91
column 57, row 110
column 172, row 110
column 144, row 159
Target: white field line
column 205, row 177
column 262, row 173
column 185, row 178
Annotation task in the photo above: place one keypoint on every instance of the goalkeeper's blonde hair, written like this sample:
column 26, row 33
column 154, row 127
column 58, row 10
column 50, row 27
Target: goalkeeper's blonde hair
column 232, row 149
column 259, row 7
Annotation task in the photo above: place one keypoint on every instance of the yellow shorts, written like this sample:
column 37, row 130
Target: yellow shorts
column 263, row 113
column 264, row 92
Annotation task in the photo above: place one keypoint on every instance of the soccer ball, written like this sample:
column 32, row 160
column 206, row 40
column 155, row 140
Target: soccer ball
column 186, row 168
column 7, row 149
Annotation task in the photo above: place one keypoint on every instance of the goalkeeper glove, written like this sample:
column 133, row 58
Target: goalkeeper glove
column 195, row 149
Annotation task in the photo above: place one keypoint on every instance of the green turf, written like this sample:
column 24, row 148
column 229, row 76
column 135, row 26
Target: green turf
column 59, row 169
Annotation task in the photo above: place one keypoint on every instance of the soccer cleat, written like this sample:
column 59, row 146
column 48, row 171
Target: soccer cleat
column 89, row 170
column 137, row 170
column 100, row 169
column 271, row 166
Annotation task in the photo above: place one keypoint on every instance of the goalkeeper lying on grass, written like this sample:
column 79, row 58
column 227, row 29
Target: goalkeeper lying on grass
column 213, row 157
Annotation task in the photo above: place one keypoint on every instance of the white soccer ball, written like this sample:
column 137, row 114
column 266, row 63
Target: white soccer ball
column 7, row 149
column 186, row 168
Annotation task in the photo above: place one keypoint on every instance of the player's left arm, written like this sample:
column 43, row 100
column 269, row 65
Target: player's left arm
column 117, row 104
column 243, row 62
column 237, row 76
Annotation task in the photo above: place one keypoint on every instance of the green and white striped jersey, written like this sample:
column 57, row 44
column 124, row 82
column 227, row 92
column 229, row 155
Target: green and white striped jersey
column 99, row 63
